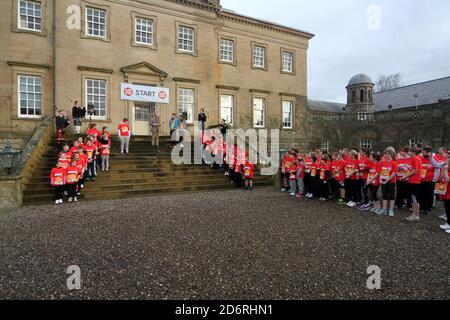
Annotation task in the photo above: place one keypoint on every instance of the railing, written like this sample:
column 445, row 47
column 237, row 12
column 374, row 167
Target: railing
column 381, row 116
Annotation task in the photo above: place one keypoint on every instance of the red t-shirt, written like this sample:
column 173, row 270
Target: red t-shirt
column 84, row 158
column 427, row 171
column 58, row 177
column 124, row 130
column 80, row 166
column 447, row 196
column 90, row 152
column 325, row 169
column 363, row 166
column 308, row 164
column 387, row 169
column 315, row 167
column 404, row 167
column 351, row 167
column 105, row 148
column 249, row 170
column 416, row 164
column 72, row 175
column 93, row 132
column 374, row 168
column 300, row 170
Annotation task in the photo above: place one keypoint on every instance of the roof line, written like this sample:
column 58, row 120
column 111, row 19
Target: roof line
column 411, row 85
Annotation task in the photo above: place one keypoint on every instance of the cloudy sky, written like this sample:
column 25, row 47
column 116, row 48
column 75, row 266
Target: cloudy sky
column 411, row 37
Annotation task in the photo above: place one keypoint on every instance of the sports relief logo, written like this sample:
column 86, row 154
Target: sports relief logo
column 162, row 95
column 128, row 91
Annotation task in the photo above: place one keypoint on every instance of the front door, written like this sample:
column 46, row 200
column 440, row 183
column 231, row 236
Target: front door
column 142, row 112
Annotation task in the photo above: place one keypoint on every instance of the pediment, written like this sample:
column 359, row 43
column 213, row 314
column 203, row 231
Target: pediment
column 144, row 68
column 205, row 4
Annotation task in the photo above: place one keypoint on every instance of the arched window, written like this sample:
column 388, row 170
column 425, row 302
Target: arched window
column 362, row 95
column 353, row 96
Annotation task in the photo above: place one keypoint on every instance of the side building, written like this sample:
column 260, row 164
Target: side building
column 413, row 114
column 251, row 72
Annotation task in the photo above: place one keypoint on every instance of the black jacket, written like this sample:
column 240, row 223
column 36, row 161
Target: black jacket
column 78, row 112
column 61, row 123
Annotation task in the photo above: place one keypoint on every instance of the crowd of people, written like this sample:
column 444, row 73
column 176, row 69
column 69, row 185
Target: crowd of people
column 80, row 162
column 379, row 182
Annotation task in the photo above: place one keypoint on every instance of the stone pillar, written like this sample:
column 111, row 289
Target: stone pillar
column 10, row 193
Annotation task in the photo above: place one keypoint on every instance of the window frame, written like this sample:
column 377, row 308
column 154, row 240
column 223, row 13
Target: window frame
column 194, row 106
column 413, row 141
column 84, row 23
column 26, row 116
column 87, row 78
column 255, row 45
column 233, row 105
column 363, row 116
column 194, row 27
column 15, row 25
column 292, row 105
column 234, row 54
column 293, row 53
column 326, row 143
column 366, row 144
column 265, row 107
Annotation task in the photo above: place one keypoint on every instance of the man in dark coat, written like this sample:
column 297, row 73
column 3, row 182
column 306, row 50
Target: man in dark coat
column 78, row 113
column 61, row 123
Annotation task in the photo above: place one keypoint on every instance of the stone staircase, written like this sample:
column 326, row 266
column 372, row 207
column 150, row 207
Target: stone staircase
column 145, row 171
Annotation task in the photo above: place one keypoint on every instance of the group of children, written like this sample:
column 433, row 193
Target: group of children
column 80, row 163
column 413, row 178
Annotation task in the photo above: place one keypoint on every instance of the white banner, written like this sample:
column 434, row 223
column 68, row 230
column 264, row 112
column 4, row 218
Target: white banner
column 144, row 93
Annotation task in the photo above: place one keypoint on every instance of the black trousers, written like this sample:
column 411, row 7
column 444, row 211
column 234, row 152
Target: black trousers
column 363, row 191
column 315, row 181
column 59, row 192
column 335, row 188
column 307, row 181
column 426, row 198
column 351, row 190
column 72, row 190
column 447, row 209
column 324, row 188
column 373, row 192
column 402, row 194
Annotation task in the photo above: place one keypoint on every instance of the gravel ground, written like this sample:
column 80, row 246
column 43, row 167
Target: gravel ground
column 219, row 245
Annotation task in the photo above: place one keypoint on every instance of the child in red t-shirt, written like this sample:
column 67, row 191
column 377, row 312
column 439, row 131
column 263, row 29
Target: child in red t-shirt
column 324, row 178
column 72, row 177
column 105, row 150
column 249, row 171
column 446, row 197
column 388, row 179
column 373, row 181
column 351, row 180
column 91, row 153
column 300, row 176
column 58, row 181
column 413, row 178
column 92, row 131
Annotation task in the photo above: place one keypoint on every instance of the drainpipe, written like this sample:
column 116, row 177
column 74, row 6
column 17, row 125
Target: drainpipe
column 54, row 52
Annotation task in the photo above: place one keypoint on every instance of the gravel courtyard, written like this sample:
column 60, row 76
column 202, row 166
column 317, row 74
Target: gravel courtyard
column 219, row 245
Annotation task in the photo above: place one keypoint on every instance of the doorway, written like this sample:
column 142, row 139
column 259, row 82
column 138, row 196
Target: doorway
column 142, row 113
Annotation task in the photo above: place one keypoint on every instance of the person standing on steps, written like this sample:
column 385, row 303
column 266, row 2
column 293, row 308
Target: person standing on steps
column 182, row 129
column 155, row 124
column 61, row 123
column 124, row 136
column 174, row 125
column 202, row 118
column 78, row 113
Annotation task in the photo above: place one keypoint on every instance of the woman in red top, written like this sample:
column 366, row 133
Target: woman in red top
column 363, row 171
column 58, row 181
column 446, row 197
column 388, row 179
column 373, row 181
column 324, row 178
column 413, row 179
column 427, row 185
column 351, row 180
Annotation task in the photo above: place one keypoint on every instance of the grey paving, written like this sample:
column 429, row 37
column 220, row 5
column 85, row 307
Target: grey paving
column 219, row 245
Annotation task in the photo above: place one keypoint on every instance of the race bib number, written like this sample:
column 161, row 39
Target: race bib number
column 385, row 173
column 313, row 172
column 106, row 151
column 292, row 176
column 322, row 175
column 90, row 154
column 424, row 173
column 441, row 188
column 59, row 181
column 71, row 178
column 247, row 172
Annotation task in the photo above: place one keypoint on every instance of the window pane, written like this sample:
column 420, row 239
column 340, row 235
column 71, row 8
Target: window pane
column 30, row 95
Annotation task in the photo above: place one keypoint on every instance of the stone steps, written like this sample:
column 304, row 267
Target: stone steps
column 145, row 171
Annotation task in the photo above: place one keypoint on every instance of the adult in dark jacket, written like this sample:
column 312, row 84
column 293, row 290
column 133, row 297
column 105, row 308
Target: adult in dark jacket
column 61, row 123
column 202, row 118
column 78, row 113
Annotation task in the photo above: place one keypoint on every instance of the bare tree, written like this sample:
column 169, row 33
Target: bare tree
column 389, row 82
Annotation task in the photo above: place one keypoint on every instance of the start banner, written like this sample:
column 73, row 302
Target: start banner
column 133, row 92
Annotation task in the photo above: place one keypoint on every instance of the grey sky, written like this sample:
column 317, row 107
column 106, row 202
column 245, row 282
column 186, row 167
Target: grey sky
column 414, row 39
